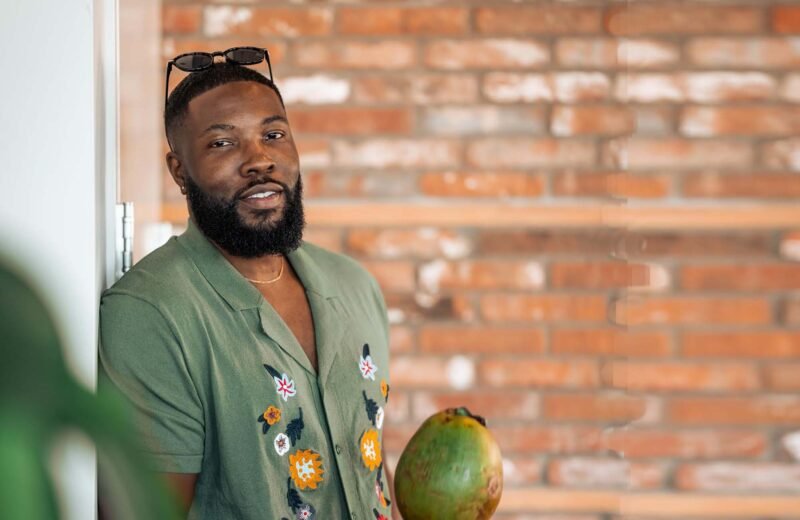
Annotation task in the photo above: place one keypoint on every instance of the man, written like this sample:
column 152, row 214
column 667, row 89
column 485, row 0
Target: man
column 257, row 363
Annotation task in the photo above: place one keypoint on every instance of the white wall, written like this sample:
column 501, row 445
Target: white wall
column 53, row 188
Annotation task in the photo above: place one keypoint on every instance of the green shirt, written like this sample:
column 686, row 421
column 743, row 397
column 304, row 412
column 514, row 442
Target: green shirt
column 222, row 388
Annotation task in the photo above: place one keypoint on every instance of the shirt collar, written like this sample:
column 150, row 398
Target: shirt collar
column 231, row 285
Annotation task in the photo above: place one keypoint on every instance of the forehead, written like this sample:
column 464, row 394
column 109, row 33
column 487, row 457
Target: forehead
column 238, row 101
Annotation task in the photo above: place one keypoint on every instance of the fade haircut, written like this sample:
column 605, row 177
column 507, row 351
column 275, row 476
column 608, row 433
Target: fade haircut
column 202, row 81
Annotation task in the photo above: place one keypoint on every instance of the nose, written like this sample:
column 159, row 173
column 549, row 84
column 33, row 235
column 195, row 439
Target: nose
column 258, row 160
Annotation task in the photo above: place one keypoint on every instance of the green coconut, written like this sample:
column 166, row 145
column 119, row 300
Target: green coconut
column 451, row 469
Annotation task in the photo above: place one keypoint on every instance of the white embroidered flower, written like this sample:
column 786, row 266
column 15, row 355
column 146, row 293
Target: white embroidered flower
column 282, row 444
column 379, row 417
column 367, row 367
column 285, row 386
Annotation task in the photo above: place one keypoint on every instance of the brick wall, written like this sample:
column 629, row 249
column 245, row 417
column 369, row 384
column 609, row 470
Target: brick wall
column 583, row 217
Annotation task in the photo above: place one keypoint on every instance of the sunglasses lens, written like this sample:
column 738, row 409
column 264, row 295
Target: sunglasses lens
column 195, row 61
column 245, row 55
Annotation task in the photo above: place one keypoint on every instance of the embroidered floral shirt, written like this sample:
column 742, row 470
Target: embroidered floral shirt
column 222, row 387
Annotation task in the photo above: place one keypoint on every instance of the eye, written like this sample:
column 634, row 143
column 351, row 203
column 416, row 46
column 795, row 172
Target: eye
column 275, row 134
column 219, row 143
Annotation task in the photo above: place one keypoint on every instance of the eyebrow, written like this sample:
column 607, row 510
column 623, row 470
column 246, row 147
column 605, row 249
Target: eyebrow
column 224, row 126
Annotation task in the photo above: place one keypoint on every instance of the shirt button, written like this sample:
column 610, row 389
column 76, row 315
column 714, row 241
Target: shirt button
column 338, row 450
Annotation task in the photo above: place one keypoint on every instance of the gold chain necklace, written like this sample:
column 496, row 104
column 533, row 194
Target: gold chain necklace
column 280, row 273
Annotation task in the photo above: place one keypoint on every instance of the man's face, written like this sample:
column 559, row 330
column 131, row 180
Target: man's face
column 240, row 166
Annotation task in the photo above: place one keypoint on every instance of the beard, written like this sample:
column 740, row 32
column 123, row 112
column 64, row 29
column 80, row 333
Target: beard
column 220, row 222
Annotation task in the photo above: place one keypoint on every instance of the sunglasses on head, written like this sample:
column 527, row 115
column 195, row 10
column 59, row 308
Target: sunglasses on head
column 197, row 61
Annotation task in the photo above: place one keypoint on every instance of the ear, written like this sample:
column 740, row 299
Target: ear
column 176, row 170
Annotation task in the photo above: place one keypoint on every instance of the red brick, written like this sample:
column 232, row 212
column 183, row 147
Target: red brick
column 489, row 404
column 591, row 120
column 485, row 340
column 681, row 376
column 762, row 410
column 327, row 238
column 758, row 185
column 786, row 19
column 314, row 89
column 314, row 153
column 520, row 471
column 609, row 53
column 610, row 342
column 538, row 373
column 544, row 308
column 771, row 344
column 790, row 311
column 745, row 477
column 482, row 120
column 782, row 155
column 384, row 21
column 351, row 121
column 393, row 275
column 567, row 87
column 538, row 19
column 513, row 152
column 549, row 439
column 422, row 89
column 480, row 274
column 681, row 18
column 783, row 377
column 180, row 19
column 712, row 121
column 549, row 242
column 398, row 408
column 692, row 311
column 401, row 339
column 757, row 53
column 414, row 243
column 644, row 153
column 612, row 184
column 654, row 120
column 600, row 473
column 255, row 21
column 729, row 277
column 397, row 153
column 486, row 53
column 467, row 184
column 406, row 308
column 790, row 88
column 789, row 245
column 598, row 275
column 593, row 407
column 703, row 243
column 687, row 444
column 345, row 54
column 699, row 87
column 416, row 372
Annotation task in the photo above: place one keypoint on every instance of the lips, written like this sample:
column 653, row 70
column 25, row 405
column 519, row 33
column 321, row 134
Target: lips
column 262, row 191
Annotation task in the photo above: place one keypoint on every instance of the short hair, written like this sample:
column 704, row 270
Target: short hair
column 202, row 81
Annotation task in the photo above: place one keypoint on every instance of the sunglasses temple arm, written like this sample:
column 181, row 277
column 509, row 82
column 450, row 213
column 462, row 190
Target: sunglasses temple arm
column 269, row 65
column 166, row 85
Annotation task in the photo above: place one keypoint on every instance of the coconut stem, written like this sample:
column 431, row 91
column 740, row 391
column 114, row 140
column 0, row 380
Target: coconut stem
column 464, row 411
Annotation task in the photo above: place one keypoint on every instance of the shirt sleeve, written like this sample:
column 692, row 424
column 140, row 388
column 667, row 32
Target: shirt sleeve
column 142, row 357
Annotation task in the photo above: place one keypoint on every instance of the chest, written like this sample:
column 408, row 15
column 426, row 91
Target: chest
column 293, row 308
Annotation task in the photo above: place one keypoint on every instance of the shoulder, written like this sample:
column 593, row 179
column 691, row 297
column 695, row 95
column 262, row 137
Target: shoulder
column 342, row 272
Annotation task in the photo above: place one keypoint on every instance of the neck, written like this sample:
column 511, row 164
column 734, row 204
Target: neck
column 264, row 267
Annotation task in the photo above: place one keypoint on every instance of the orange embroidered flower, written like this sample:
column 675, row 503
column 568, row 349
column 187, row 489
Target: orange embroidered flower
column 272, row 415
column 305, row 467
column 371, row 449
column 384, row 388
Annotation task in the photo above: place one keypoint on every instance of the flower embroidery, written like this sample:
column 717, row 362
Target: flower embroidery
column 305, row 512
column 378, row 516
column 270, row 416
column 282, row 444
column 370, row 449
column 371, row 407
column 283, row 384
column 295, row 428
column 305, row 467
column 385, row 389
column 301, row 510
column 385, row 502
column 367, row 367
column 379, row 418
